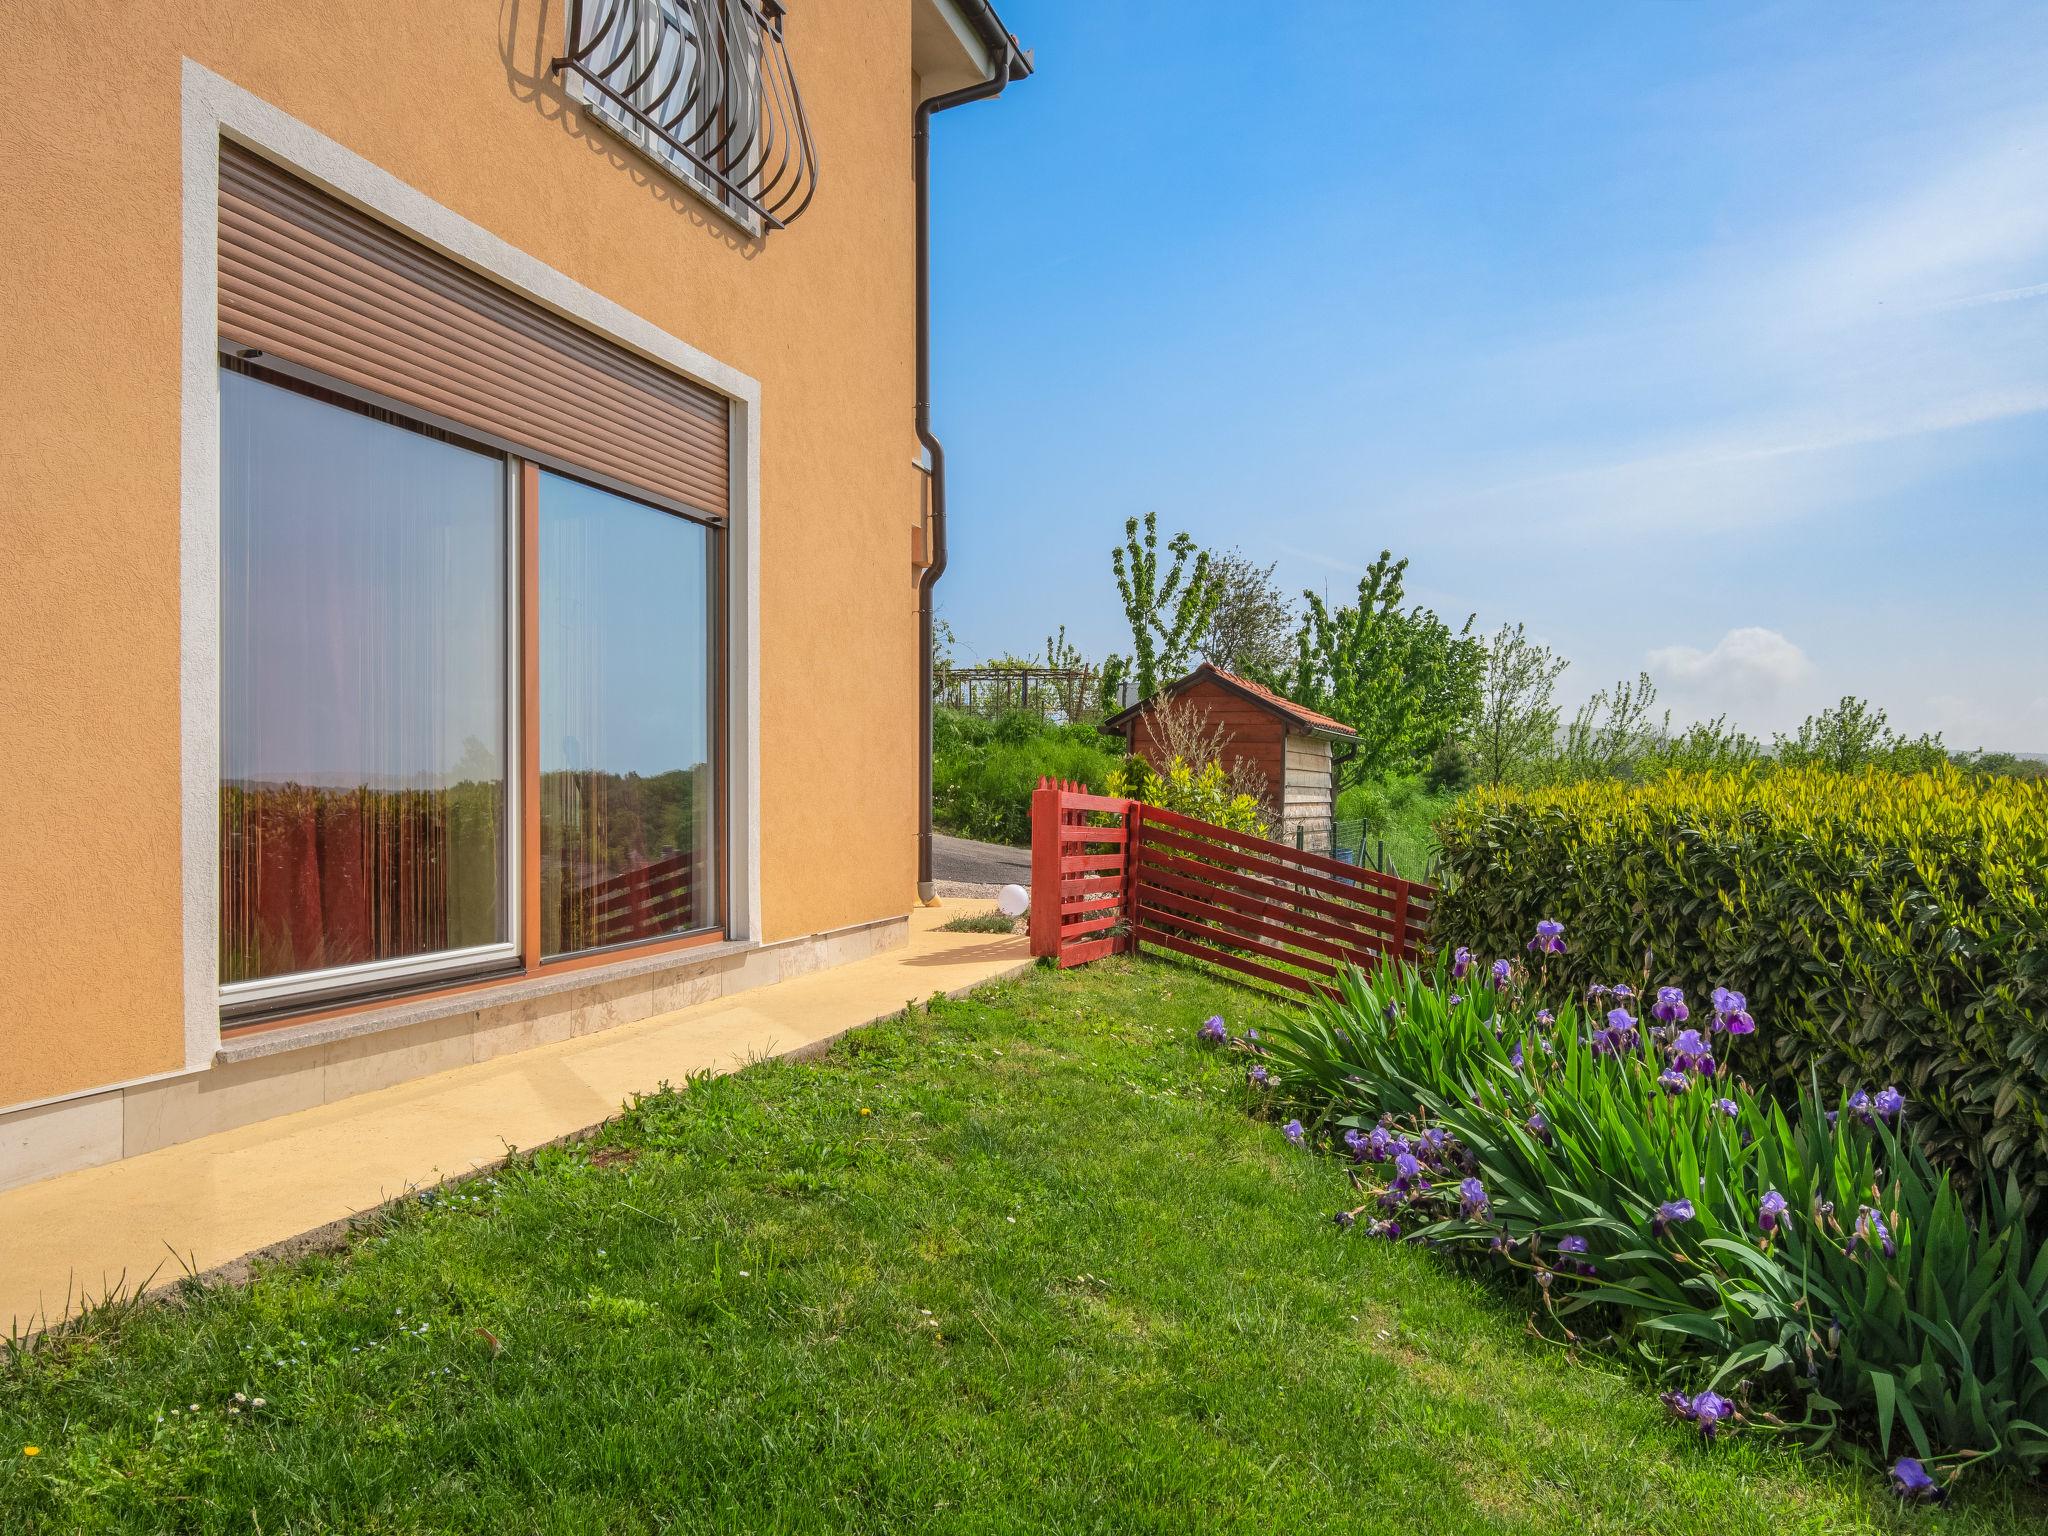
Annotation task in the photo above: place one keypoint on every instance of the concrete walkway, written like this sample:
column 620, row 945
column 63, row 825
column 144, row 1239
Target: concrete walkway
column 204, row 1204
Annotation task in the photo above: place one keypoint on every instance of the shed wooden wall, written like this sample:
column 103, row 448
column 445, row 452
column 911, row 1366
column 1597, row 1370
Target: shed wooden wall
column 1255, row 734
column 1308, row 805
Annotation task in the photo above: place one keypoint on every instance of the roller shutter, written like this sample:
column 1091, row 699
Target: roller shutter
column 306, row 278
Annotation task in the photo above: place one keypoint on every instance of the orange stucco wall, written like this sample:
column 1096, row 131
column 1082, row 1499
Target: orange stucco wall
column 453, row 97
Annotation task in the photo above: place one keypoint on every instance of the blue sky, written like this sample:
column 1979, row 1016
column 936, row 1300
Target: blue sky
column 1708, row 339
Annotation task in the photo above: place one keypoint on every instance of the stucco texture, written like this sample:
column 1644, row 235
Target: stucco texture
column 454, row 98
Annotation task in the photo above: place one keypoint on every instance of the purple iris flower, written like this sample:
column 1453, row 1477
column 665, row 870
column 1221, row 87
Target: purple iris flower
column 1674, row 1081
column 1549, row 938
column 1859, row 1105
column 1346, row 1219
column 1379, row 1144
column 1538, row 1126
column 1515, row 1056
column 1461, row 962
column 1501, row 971
column 1669, row 1215
column 1596, row 991
column 1889, row 1104
column 1870, row 1229
column 1737, row 1023
column 1390, row 1230
column 1769, row 1212
column 1572, row 1244
column 1408, row 1177
column 1545, row 1017
column 1258, row 1076
column 1707, row 1410
column 1456, row 999
column 1472, row 1200
column 1622, row 990
column 1216, row 1029
column 1670, row 1006
column 1619, row 1035
column 1293, row 1132
column 1728, row 1107
column 1910, row 1481
column 1252, row 1035
column 1358, row 1144
column 1689, row 1052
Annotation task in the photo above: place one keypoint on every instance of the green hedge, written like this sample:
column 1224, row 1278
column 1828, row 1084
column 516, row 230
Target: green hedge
column 1887, row 928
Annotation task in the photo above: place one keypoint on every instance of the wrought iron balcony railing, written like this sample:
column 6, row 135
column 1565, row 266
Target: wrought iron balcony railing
column 704, row 88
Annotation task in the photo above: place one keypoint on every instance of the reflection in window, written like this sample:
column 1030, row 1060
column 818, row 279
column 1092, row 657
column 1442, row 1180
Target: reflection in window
column 627, row 819
column 363, row 688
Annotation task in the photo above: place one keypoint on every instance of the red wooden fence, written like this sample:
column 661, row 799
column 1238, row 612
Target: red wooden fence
column 1110, row 875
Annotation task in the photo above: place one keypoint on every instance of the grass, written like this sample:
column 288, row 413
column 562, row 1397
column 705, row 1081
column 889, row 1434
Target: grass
column 991, row 921
column 1017, row 1263
column 1400, row 812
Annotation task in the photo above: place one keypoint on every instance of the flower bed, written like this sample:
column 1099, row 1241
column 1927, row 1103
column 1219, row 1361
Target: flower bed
column 1788, row 1264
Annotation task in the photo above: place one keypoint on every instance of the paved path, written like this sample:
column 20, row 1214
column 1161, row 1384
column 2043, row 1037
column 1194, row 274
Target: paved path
column 961, row 861
column 210, row 1201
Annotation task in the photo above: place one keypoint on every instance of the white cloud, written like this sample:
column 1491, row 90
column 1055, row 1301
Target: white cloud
column 1748, row 675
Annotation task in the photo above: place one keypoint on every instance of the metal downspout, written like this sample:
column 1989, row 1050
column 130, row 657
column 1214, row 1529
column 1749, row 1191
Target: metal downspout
column 1003, row 57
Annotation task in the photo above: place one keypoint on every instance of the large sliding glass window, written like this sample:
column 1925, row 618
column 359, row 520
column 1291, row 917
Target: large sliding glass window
column 366, row 805
column 628, row 798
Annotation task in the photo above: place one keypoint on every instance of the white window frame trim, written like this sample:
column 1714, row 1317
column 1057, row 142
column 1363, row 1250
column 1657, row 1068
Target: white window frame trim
column 214, row 108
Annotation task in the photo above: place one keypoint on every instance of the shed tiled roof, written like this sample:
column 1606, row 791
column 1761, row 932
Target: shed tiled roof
column 1298, row 715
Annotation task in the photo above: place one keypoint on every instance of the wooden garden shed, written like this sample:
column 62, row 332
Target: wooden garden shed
column 1289, row 745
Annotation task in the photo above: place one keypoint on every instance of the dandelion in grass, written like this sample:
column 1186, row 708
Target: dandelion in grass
column 1669, row 1008
column 1472, row 1201
column 1215, row 1029
column 1770, row 1213
column 1911, row 1483
column 1461, row 962
column 1670, row 1214
column 1549, row 938
column 1294, row 1133
column 1889, row 1104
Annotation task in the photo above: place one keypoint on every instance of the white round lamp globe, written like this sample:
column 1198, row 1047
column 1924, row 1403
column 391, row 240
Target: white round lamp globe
column 1013, row 901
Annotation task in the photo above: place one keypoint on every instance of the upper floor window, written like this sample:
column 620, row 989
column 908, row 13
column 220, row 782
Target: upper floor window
column 703, row 88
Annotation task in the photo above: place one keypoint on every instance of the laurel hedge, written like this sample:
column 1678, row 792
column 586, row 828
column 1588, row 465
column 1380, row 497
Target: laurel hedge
column 1892, row 929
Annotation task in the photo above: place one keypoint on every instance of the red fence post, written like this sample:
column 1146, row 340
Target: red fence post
column 1045, row 868
column 1132, row 814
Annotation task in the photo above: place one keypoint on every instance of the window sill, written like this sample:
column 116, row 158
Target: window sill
column 401, row 1013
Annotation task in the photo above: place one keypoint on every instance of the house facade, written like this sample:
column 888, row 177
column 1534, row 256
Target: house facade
column 467, row 519
column 1287, row 745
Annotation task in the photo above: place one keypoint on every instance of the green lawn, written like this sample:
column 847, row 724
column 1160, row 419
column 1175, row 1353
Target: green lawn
column 1018, row 1263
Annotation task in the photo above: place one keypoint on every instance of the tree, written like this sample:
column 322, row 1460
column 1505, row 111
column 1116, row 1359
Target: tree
column 1166, row 618
column 1252, row 628
column 1404, row 680
column 1516, row 726
column 1853, row 735
column 1612, row 734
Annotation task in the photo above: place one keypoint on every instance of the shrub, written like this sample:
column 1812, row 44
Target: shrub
column 984, row 770
column 1890, row 926
column 1205, row 793
column 1631, row 1180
